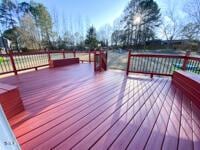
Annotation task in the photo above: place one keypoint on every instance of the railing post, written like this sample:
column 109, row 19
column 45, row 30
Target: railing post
column 185, row 62
column 100, row 59
column 63, row 51
column 74, row 51
column 12, row 62
column 89, row 57
column 106, row 59
column 95, row 61
column 151, row 75
column 49, row 56
column 128, row 65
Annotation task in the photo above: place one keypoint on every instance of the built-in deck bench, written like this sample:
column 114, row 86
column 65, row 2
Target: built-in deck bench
column 189, row 83
column 10, row 100
column 63, row 62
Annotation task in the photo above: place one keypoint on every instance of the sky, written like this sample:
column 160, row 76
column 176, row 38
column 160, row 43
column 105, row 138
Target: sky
column 98, row 12
column 101, row 12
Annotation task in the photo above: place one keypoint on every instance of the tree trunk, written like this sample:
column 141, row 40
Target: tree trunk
column 17, row 45
column 198, row 48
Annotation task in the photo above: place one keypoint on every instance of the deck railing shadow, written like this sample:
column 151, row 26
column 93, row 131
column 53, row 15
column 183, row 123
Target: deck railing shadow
column 126, row 96
column 159, row 134
column 155, row 140
column 120, row 99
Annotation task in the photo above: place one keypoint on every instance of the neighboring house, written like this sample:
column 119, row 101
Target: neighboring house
column 4, row 44
column 183, row 44
column 175, row 44
column 154, row 42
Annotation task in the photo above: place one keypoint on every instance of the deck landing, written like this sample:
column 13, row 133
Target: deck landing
column 72, row 107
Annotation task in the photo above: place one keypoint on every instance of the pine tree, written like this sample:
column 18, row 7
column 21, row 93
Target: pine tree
column 91, row 38
column 43, row 22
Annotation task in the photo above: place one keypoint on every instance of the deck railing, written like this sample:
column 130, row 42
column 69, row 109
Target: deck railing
column 164, row 65
column 100, row 60
column 15, row 62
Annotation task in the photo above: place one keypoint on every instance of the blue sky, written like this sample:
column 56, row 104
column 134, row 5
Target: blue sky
column 101, row 12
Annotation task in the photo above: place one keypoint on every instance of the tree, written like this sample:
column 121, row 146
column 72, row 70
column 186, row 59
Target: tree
column 193, row 27
column 11, row 35
column 29, row 38
column 117, row 37
column 23, row 8
column 8, row 11
column 193, row 10
column 68, row 39
column 104, row 34
column 56, row 26
column 141, row 17
column 78, row 38
column 191, row 31
column 11, row 18
column 80, row 27
column 171, row 26
column 91, row 38
column 43, row 22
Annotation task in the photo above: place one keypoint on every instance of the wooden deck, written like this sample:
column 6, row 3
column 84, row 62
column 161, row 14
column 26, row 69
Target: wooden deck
column 74, row 108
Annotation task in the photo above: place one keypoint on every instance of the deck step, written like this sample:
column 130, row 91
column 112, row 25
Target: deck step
column 189, row 83
column 10, row 100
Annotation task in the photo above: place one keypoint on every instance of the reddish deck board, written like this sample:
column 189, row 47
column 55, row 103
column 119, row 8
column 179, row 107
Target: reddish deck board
column 72, row 107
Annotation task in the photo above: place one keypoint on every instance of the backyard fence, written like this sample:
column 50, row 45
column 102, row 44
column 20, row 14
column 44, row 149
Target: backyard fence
column 15, row 62
column 165, row 65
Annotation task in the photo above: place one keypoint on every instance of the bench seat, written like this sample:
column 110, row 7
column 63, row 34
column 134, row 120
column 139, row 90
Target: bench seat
column 10, row 100
column 189, row 83
column 63, row 62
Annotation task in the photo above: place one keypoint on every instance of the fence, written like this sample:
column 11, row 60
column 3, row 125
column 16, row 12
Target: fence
column 15, row 62
column 165, row 65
